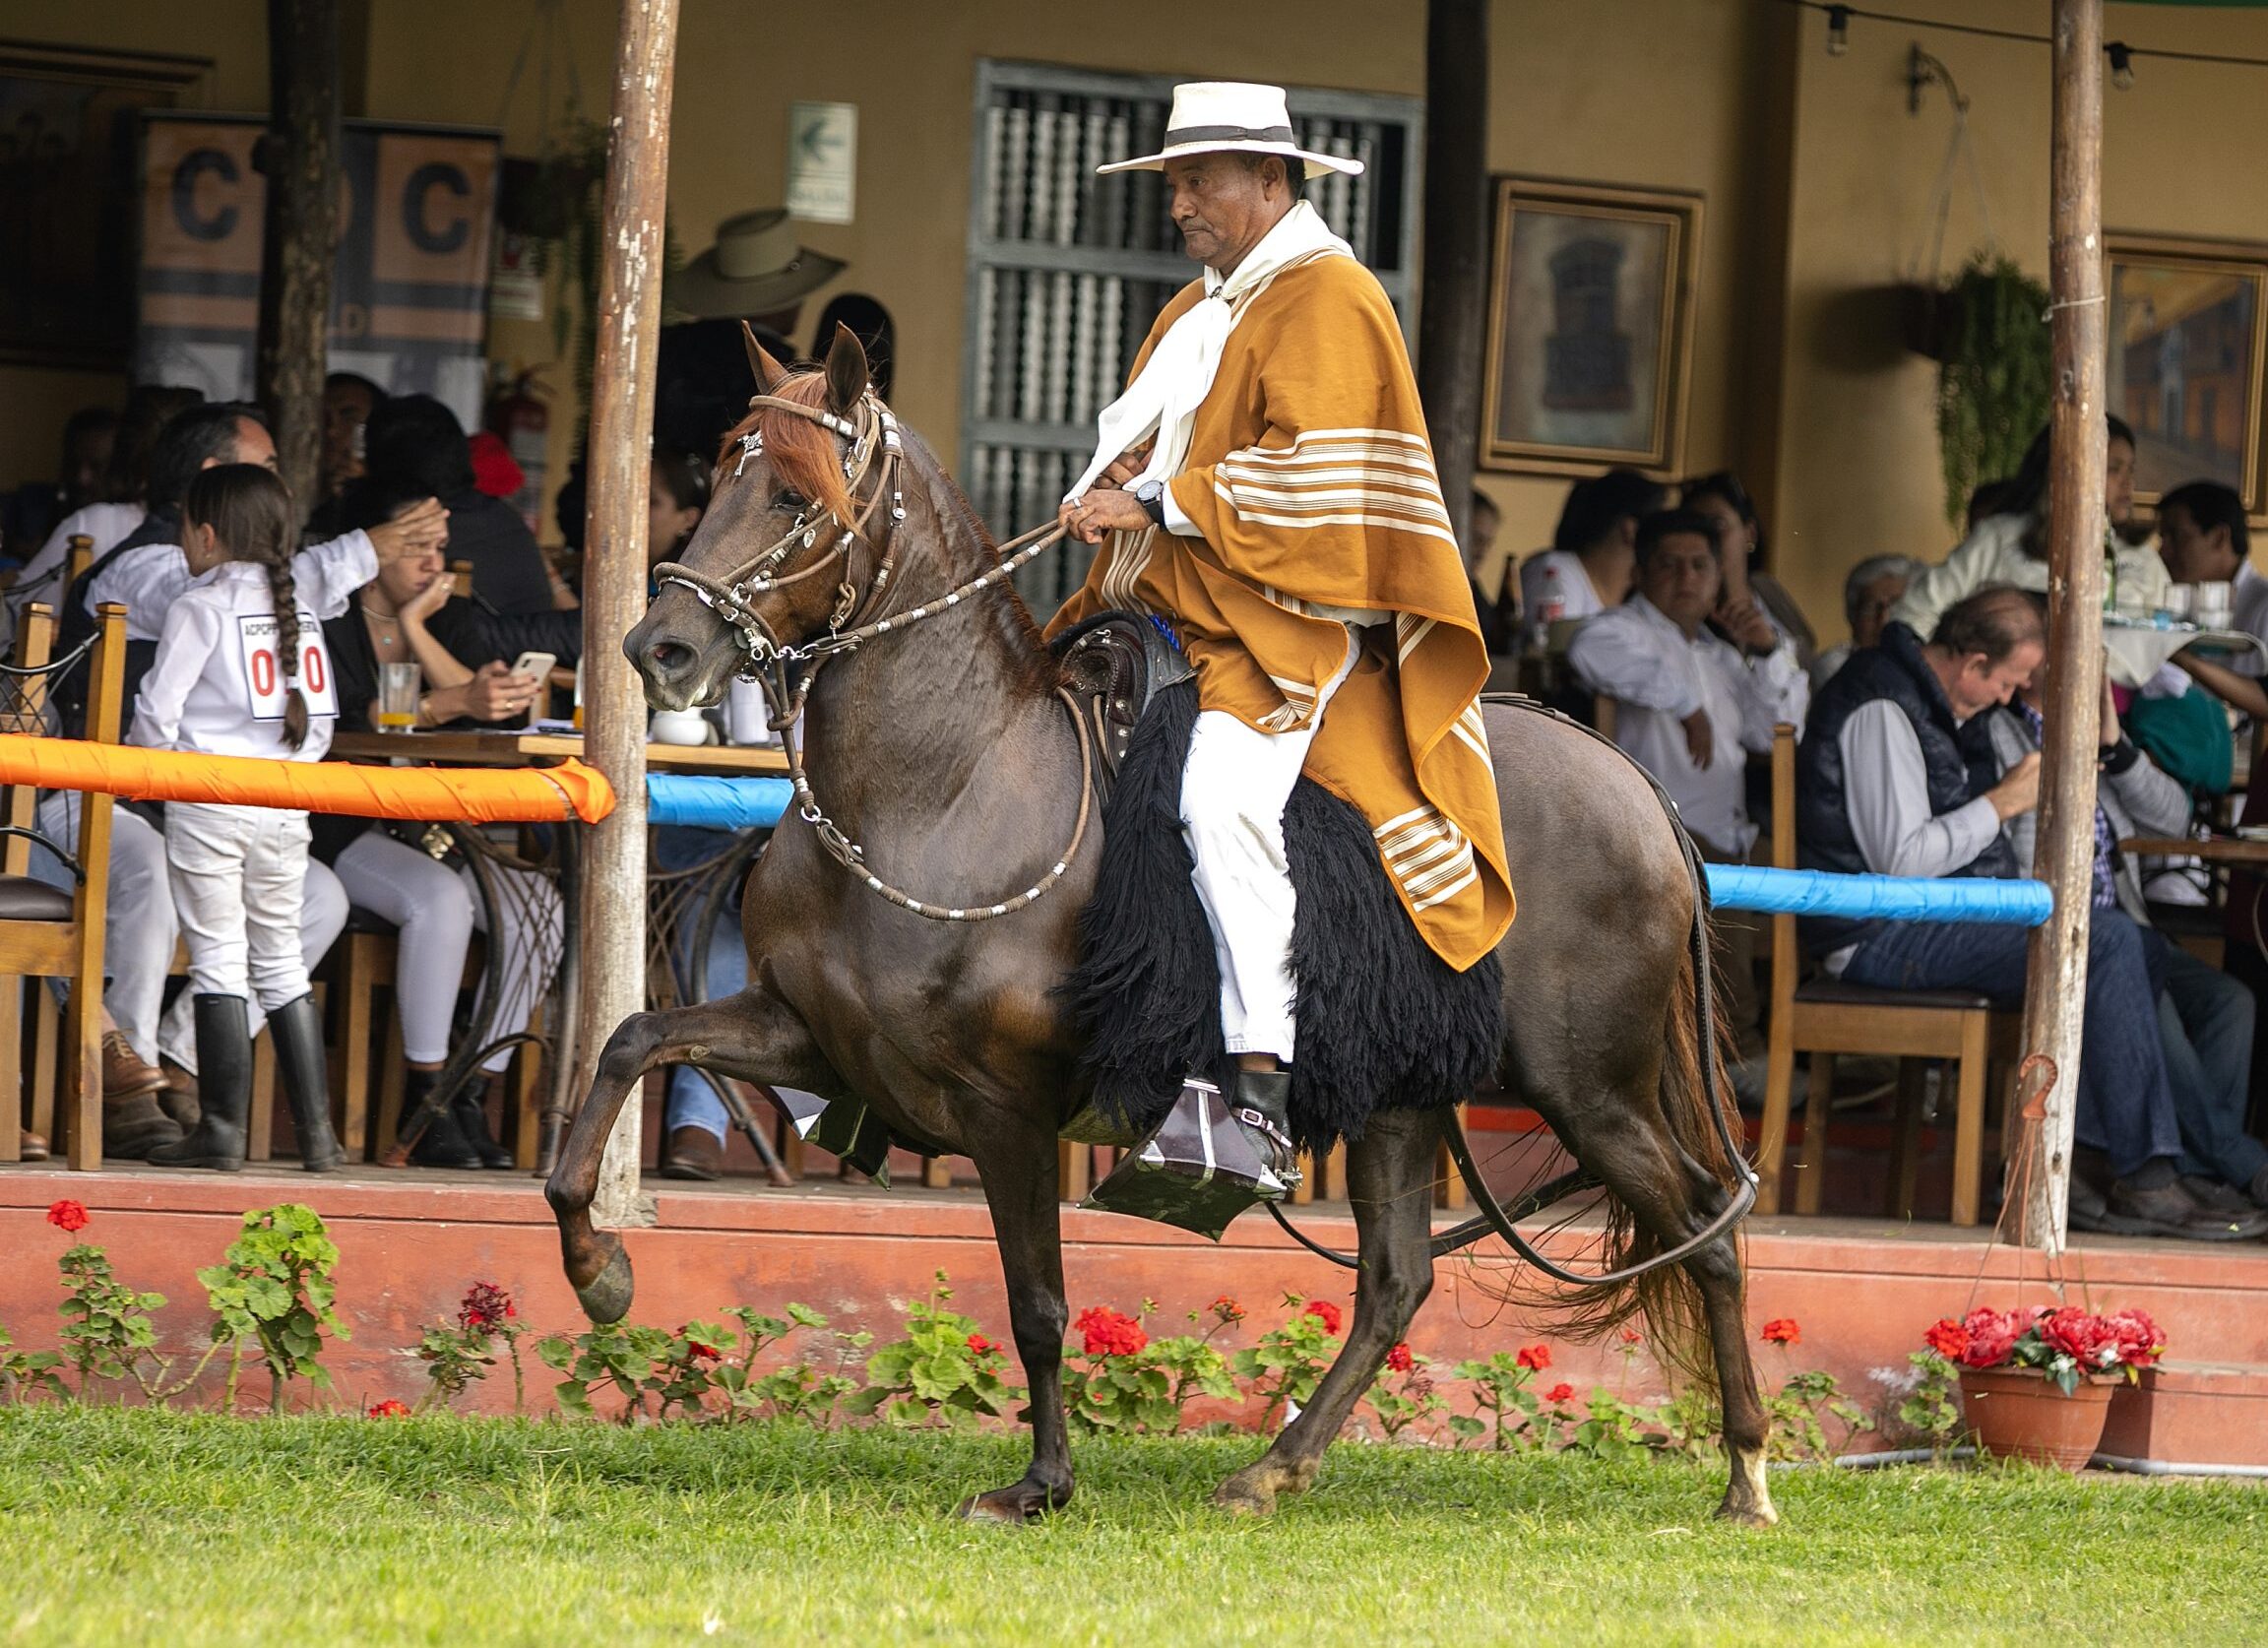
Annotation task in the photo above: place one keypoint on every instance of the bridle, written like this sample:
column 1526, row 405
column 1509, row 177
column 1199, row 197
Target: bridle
column 874, row 450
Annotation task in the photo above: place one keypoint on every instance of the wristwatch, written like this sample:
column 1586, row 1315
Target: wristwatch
column 1150, row 495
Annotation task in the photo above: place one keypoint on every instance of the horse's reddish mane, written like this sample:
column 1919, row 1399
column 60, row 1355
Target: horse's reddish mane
column 804, row 455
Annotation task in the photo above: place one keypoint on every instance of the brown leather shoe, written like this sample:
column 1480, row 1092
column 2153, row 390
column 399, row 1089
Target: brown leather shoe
column 693, row 1153
column 124, row 1075
column 178, row 1098
column 2169, row 1210
column 134, row 1126
column 31, row 1146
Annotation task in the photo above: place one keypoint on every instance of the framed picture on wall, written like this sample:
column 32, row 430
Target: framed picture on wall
column 1590, row 327
column 2189, row 343
column 69, row 136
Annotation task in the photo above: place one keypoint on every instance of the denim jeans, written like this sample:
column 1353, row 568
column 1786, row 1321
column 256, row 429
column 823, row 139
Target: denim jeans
column 2205, row 1018
column 2125, row 1104
column 691, row 1102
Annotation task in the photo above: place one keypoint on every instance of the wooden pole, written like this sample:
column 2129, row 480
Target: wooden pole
column 613, row 887
column 1452, row 313
column 299, row 156
column 2056, row 978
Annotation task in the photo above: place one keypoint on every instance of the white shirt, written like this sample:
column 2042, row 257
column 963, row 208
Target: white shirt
column 1578, row 596
column 147, row 581
column 1638, row 657
column 215, row 688
column 1995, row 554
column 107, row 523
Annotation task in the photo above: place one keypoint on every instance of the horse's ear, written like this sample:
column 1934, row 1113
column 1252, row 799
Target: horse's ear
column 846, row 370
column 767, row 370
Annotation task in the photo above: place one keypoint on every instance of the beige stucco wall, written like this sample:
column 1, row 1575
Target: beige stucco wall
column 1817, row 180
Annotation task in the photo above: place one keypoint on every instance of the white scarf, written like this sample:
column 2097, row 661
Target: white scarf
column 1178, row 375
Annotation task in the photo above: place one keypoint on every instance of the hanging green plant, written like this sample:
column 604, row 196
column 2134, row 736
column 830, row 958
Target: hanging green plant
column 1993, row 374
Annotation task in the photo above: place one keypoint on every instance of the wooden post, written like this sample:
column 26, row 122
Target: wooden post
column 613, row 889
column 300, row 156
column 1452, row 312
column 2056, row 977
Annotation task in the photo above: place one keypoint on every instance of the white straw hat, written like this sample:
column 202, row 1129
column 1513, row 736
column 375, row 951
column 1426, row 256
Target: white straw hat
column 757, row 266
column 1213, row 115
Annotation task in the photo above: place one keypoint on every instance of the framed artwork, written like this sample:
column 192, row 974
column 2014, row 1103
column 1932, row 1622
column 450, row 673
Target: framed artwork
column 1590, row 327
column 2188, row 339
column 70, row 125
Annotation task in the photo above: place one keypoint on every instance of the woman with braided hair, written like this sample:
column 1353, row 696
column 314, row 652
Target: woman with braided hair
column 241, row 670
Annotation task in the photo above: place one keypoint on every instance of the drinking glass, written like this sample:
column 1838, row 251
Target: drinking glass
column 397, row 686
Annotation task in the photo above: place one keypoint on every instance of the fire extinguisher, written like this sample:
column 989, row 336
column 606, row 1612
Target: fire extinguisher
column 521, row 418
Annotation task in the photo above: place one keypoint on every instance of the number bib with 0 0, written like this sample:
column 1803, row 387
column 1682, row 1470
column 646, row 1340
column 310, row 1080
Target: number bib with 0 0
column 264, row 680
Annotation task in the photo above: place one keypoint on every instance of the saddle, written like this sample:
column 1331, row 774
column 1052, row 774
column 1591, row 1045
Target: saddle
column 1115, row 664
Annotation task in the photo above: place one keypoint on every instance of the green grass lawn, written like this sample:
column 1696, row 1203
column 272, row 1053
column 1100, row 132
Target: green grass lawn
column 125, row 1527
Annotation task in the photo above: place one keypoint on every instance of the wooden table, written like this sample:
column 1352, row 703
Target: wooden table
column 519, row 748
column 2214, row 849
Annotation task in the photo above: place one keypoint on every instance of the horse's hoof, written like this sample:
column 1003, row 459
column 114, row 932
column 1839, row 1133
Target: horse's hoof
column 1247, row 1493
column 1014, row 1506
column 606, row 1296
column 1748, row 1516
column 1747, row 1500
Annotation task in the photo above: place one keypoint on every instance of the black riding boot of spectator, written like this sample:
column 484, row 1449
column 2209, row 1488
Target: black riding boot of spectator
column 299, row 1031
column 443, row 1143
column 224, row 1089
column 471, row 1109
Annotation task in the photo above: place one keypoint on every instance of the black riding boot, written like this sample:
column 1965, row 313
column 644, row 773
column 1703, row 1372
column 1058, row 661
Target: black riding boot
column 299, row 1031
column 224, row 1089
column 1264, row 1106
column 470, row 1110
column 443, row 1143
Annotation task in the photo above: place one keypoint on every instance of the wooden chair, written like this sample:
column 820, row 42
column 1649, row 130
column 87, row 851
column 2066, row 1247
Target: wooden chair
column 1825, row 1018
column 45, row 932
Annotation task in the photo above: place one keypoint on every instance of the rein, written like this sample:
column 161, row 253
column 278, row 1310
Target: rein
column 773, row 663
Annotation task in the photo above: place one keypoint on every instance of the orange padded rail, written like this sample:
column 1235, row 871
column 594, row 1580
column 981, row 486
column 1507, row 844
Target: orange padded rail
column 471, row 796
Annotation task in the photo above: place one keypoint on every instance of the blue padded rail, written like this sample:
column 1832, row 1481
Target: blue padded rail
column 1893, row 898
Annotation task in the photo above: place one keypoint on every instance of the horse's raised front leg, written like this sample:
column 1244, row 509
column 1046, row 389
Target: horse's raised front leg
column 1390, row 1186
column 1019, row 1174
column 752, row 1035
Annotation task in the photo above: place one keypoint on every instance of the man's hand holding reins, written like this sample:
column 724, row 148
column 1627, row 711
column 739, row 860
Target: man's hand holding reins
column 1106, row 506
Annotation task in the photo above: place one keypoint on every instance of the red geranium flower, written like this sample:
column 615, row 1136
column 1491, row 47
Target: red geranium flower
column 389, row 1408
column 1781, row 1330
column 1106, row 1333
column 483, row 1308
column 1948, row 1338
column 1631, row 1336
column 2140, row 1340
column 1324, row 1311
column 1558, row 1393
column 1535, row 1356
column 1993, row 1336
column 1398, row 1359
column 982, row 1345
column 67, row 1216
column 1227, row 1309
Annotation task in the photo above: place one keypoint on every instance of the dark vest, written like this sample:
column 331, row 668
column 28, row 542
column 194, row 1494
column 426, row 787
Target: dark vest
column 1896, row 671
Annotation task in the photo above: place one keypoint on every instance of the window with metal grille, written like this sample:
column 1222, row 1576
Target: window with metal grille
column 1067, row 270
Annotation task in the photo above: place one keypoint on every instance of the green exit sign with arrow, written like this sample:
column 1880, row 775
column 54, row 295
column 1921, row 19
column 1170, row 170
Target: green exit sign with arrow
column 822, row 160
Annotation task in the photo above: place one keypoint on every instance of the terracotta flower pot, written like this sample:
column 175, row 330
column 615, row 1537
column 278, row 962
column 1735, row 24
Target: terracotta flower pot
column 2019, row 1414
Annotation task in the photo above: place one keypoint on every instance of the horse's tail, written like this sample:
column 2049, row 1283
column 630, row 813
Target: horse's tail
column 1666, row 1296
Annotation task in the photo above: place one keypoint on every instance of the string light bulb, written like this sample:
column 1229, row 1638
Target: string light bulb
column 2121, row 57
column 1839, row 30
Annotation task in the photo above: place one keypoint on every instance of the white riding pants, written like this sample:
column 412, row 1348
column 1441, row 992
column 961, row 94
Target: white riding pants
column 236, row 876
column 1233, row 790
column 437, row 910
column 140, row 927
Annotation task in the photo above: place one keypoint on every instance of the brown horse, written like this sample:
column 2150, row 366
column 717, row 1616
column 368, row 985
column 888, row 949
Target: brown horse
column 942, row 747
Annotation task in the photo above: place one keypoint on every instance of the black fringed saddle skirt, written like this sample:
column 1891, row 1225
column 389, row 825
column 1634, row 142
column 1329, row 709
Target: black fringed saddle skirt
column 1383, row 1022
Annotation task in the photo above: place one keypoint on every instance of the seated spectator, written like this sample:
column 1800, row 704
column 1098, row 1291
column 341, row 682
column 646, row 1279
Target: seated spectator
column 1594, row 552
column 1884, row 785
column 676, row 496
column 2011, row 546
column 1740, row 538
column 29, row 513
column 1499, row 613
column 349, row 400
column 1873, row 587
column 2204, row 538
column 391, row 870
column 1689, row 704
column 2205, row 1018
column 415, row 445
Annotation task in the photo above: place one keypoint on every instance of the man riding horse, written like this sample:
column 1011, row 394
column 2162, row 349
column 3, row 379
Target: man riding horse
column 1266, row 489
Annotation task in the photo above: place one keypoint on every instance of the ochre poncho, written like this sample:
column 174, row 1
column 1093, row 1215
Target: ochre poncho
column 1311, row 481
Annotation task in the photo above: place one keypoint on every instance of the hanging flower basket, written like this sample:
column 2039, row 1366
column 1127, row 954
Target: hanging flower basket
column 2035, row 1382
column 2018, row 1412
